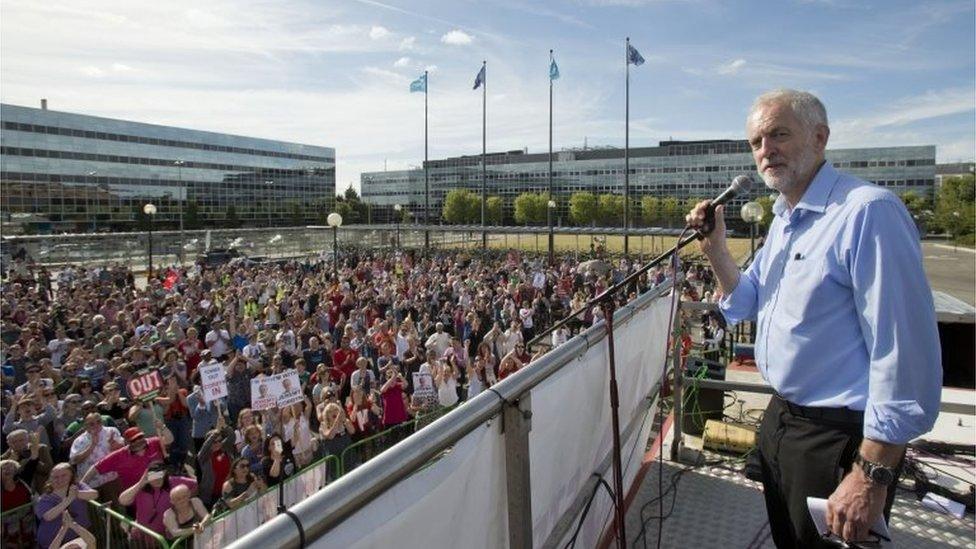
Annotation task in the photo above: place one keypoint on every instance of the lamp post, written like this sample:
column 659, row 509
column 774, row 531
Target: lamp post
column 552, row 208
column 182, row 198
column 397, row 209
column 93, row 173
column 150, row 210
column 752, row 213
column 335, row 221
column 269, row 183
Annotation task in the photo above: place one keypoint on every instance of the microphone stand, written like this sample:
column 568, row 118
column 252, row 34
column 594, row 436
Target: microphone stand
column 606, row 302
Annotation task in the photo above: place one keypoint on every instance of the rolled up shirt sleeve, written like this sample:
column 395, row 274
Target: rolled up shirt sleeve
column 743, row 302
column 897, row 321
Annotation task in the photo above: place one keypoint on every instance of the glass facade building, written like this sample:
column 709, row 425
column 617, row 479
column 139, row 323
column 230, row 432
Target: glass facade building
column 680, row 169
column 80, row 173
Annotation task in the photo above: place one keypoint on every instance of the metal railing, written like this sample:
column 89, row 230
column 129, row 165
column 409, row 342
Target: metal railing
column 317, row 515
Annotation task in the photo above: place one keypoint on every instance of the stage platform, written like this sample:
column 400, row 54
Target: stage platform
column 716, row 506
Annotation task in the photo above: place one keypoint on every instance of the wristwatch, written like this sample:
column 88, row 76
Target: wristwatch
column 876, row 472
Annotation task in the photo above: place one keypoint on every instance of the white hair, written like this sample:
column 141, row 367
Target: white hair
column 805, row 106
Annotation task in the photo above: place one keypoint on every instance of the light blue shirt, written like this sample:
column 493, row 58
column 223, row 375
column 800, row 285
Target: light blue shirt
column 844, row 310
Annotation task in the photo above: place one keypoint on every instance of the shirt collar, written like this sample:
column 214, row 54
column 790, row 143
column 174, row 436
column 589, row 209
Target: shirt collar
column 816, row 195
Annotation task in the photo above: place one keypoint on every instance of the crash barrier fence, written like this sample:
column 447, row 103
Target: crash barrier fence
column 514, row 466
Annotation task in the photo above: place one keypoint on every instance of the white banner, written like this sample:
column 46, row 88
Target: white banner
column 571, row 417
column 457, row 501
column 262, row 509
column 213, row 380
column 275, row 390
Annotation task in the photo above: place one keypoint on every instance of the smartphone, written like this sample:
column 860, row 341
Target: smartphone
column 156, row 475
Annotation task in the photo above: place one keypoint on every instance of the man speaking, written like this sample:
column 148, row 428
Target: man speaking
column 846, row 330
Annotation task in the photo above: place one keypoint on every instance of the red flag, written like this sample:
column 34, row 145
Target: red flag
column 172, row 277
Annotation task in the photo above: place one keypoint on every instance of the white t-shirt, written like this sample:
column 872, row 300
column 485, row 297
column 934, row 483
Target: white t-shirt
column 103, row 447
column 218, row 342
column 438, row 341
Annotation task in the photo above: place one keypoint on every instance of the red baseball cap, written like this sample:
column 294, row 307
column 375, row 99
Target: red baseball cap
column 133, row 434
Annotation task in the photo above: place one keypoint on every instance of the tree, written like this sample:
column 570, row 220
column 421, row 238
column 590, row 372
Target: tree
column 611, row 209
column 651, row 209
column 191, row 215
column 296, row 214
column 919, row 208
column 583, row 208
column 530, row 208
column 670, row 208
column 954, row 208
column 231, row 217
column 141, row 218
column 767, row 206
column 462, row 206
column 494, row 210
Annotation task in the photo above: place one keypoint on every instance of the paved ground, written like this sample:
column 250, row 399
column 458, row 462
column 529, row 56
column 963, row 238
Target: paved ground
column 951, row 270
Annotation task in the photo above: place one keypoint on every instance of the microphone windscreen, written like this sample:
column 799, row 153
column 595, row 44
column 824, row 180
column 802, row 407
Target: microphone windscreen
column 742, row 184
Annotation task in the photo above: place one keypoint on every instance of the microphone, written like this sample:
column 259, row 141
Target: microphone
column 742, row 184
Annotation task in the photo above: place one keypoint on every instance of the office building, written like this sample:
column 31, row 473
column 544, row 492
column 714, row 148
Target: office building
column 71, row 172
column 680, row 169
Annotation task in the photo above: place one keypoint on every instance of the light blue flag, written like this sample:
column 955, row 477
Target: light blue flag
column 553, row 70
column 633, row 56
column 480, row 79
column 419, row 85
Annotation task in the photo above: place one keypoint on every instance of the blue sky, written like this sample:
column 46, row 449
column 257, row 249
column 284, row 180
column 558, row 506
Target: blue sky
column 336, row 73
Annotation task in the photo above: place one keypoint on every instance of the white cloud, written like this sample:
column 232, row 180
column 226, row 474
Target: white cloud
column 120, row 67
column 377, row 32
column 402, row 62
column 92, row 71
column 408, row 43
column 732, row 67
column 431, row 68
column 457, row 37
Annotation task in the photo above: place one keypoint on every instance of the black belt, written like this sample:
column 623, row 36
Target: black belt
column 815, row 413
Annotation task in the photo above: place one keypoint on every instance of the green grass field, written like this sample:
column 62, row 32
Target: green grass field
column 646, row 245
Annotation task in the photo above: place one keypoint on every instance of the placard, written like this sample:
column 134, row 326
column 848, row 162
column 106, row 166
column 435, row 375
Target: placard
column 145, row 385
column 278, row 390
column 423, row 384
column 213, row 380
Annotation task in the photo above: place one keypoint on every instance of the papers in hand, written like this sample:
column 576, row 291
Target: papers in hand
column 818, row 512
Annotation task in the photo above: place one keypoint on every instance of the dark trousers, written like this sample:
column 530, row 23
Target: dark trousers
column 803, row 457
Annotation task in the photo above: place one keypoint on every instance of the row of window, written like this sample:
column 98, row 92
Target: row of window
column 324, row 185
column 52, row 130
column 679, row 188
column 469, row 175
column 93, row 157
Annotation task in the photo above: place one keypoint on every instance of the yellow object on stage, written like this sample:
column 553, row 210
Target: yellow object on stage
column 729, row 437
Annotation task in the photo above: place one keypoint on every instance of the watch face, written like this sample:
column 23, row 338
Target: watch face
column 881, row 476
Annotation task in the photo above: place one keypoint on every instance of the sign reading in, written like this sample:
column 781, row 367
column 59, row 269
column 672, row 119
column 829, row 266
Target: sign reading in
column 213, row 381
column 145, row 384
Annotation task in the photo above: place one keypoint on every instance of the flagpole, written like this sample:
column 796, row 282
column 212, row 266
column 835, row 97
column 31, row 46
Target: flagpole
column 484, row 150
column 549, row 209
column 627, row 152
column 426, row 169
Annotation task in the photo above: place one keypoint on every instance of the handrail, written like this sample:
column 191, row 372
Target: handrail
column 327, row 508
column 163, row 542
column 19, row 508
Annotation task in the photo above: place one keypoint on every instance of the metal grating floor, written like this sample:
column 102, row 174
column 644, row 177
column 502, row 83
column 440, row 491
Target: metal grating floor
column 719, row 508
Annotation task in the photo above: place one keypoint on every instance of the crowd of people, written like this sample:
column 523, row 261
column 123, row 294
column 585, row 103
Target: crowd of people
column 381, row 343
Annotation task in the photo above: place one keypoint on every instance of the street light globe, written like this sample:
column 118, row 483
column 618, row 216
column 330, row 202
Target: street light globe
column 397, row 207
column 149, row 209
column 552, row 203
column 334, row 220
column 752, row 212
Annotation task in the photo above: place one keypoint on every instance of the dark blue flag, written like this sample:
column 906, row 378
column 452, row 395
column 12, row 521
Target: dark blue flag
column 480, row 79
column 633, row 56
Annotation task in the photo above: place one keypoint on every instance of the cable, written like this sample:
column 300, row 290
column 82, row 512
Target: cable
column 579, row 525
